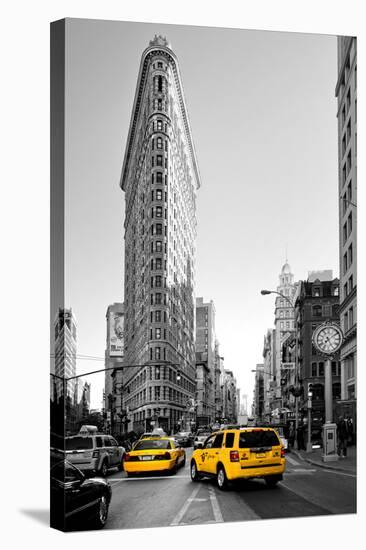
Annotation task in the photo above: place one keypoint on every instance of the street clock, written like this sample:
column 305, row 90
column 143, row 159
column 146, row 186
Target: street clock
column 328, row 338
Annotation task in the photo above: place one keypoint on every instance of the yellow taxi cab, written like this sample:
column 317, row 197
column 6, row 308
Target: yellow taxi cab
column 244, row 453
column 154, row 453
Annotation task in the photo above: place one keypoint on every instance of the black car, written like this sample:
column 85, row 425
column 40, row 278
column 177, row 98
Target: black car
column 76, row 500
column 184, row 439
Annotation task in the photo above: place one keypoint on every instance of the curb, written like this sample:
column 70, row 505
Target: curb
column 315, row 463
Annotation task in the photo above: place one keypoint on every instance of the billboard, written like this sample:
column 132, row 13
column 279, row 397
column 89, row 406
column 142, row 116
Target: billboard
column 116, row 331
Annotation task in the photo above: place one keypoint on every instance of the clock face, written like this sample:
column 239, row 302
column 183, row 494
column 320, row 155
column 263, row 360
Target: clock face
column 328, row 339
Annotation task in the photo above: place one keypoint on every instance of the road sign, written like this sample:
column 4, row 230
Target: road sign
column 287, row 366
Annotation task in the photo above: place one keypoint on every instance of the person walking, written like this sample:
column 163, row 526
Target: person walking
column 300, row 438
column 291, row 434
column 342, row 436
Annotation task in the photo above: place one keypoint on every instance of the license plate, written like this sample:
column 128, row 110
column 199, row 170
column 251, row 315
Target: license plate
column 260, row 455
column 147, row 457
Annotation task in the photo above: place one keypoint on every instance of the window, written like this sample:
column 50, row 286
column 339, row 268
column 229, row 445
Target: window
column 345, row 322
column 159, row 229
column 158, row 211
column 159, row 177
column 158, row 281
column 160, row 83
column 321, row 368
column 157, row 371
column 157, row 316
column 157, row 353
column 344, row 233
column 345, row 290
column 344, row 263
column 350, row 317
column 317, row 291
column 159, row 125
column 229, row 440
column 317, row 311
column 350, row 284
column 158, row 263
column 160, row 65
column 159, row 160
column 350, row 255
column 158, row 299
column 334, row 369
column 159, row 143
column 158, row 246
column 159, row 195
column 217, row 444
column 314, row 369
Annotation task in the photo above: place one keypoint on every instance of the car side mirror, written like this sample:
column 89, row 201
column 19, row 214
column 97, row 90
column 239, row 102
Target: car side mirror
column 200, row 445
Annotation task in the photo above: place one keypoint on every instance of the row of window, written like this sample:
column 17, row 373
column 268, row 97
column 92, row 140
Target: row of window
column 157, row 177
column 317, row 368
column 324, row 311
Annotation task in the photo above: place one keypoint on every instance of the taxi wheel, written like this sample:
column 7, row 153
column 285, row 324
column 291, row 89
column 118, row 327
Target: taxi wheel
column 221, row 478
column 272, row 481
column 195, row 476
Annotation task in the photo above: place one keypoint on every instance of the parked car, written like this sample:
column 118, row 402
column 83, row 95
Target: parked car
column 94, row 452
column 154, row 454
column 200, row 438
column 183, row 439
column 283, row 438
column 76, row 500
column 244, row 453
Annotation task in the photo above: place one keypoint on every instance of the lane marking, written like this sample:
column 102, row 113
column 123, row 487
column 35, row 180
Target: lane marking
column 185, row 506
column 215, row 506
column 292, row 461
column 147, row 478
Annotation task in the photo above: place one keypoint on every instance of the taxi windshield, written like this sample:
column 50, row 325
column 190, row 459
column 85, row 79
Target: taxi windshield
column 146, row 444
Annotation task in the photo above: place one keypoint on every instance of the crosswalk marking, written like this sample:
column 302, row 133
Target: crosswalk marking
column 292, row 461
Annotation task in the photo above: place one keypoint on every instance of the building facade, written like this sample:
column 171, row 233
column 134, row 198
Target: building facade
column 114, row 411
column 269, row 374
column 317, row 302
column 346, row 93
column 160, row 179
column 65, row 364
column 205, row 369
column 229, row 397
column 284, row 324
column 258, row 394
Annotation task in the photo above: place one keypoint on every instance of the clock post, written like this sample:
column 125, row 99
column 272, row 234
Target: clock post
column 327, row 339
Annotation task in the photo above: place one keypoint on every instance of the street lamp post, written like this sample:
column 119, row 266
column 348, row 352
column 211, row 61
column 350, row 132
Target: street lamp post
column 292, row 305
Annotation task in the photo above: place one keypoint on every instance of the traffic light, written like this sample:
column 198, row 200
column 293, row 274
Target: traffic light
column 310, row 390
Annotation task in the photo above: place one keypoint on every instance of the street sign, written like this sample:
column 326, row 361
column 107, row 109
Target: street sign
column 287, row 366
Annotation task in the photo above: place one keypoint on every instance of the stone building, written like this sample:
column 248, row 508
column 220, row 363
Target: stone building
column 115, row 418
column 160, row 179
column 346, row 93
column 317, row 302
column 205, row 361
column 284, row 324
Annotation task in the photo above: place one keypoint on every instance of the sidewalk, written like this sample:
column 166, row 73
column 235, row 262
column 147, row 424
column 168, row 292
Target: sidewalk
column 347, row 464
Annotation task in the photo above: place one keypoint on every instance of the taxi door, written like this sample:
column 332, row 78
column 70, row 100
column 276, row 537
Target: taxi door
column 201, row 455
column 214, row 453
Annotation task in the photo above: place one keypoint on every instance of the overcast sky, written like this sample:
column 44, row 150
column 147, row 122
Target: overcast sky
column 263, row 117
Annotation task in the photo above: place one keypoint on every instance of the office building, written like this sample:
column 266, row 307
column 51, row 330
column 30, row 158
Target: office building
column 160, row 180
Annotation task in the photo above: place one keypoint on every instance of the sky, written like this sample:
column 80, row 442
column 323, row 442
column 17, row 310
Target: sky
column 263, row 117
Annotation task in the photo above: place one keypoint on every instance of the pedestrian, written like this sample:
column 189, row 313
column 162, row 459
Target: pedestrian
column 291, row 435
column 342, row 437
column 300, row 438
column 350, row 431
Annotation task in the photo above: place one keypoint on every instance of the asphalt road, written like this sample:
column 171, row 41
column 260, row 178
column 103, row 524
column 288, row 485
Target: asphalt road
column 161, row 501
